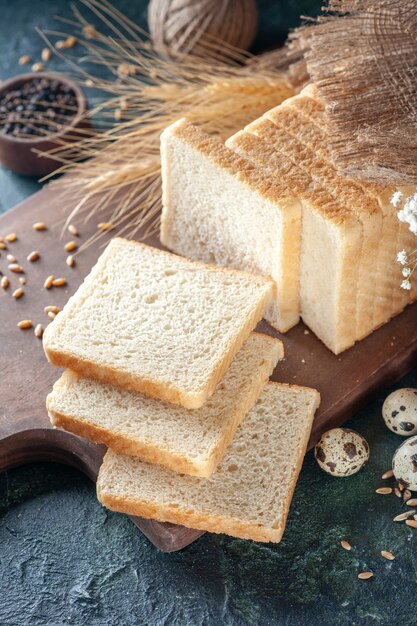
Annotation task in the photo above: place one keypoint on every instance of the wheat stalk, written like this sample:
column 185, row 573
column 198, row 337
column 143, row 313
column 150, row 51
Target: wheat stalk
column 147, row 93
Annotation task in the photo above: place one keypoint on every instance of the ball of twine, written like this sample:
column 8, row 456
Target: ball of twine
column 201, row 26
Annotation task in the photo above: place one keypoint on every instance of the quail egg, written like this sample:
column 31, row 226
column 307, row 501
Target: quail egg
column 400, row 412
column 404, row 464
column 341, row 452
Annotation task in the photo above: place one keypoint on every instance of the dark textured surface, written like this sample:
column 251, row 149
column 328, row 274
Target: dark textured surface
column 65, row 560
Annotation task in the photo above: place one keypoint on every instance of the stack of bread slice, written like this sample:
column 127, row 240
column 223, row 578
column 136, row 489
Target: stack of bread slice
column 163, row 367
column 270, row 201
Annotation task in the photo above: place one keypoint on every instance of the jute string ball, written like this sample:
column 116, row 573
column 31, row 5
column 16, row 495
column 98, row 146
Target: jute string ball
column 201, row 26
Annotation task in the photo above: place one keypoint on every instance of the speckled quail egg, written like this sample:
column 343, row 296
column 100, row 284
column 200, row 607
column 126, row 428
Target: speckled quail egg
column 404, row 464
column 400, row 412
column 341, row 452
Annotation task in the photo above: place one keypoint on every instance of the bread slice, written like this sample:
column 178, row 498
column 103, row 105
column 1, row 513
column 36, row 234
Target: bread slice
column 328, row 271
column 156, row 323
column 250, row 493
column 189, row 441
column 219, row 208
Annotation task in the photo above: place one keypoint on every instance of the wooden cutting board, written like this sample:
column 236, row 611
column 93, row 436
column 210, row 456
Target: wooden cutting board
column 346, row 382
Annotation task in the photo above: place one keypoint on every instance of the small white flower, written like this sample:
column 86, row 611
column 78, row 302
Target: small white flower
column 396, row 197
column 406, row 272
column 402, row 257
column 406, row 284
column 408, row 213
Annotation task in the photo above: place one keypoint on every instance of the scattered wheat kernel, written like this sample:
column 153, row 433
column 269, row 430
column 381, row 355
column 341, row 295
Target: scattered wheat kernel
column 406, row 495
column 401, row 487
column 11, row 258
column 38, row 330
column 411, row 522
column 51, row 315
column 71, row 41
column 46, row 54
column 346, row 545
column 24, row 59
column 11, row 237
column 49, row 282
column 4, row 282
column 3, row 245
column 118, row 115
column 387, row 555
column 38, row 67
column 388, row 474
column 89, row 83
column 33, row 256
column 16, row 268
column 384, row 490
column 365, row 575
column 59, row 282
column 402, row 516
column 72, row 229
column 22, row 280
column 70, row 246
column 39, row 226
column 105, row 226
column 70, row 261
column 412, row 502
column 18, row 293
column 52, row 308
column 397, row 492
column 25, row 324
column 60, row 44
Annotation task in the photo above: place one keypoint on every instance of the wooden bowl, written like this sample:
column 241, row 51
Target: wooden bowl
column 19, row 154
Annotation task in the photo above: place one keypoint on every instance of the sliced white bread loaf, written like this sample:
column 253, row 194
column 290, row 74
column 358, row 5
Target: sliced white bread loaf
column 219, row 208
column 156, row 323
column 250, row 493
column 189, row 441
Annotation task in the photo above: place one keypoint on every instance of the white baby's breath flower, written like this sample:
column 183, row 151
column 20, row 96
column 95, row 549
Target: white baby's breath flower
column 408, row 213
column 406, row 272
column 402, row 257
column 396, row 197
column 406, row 284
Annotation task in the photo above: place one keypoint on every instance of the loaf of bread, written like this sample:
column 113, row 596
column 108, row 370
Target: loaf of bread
column 250, row 493
column 188, row 441
column 346, row 234
column 156, row 323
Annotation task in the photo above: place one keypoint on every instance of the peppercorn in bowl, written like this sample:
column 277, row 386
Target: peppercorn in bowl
column 38, row 111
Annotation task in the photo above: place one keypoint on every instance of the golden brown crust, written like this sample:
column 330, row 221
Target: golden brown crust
column 211, row 523
column 239, row 167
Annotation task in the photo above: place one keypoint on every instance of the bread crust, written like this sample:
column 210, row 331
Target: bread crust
column 190, row 519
